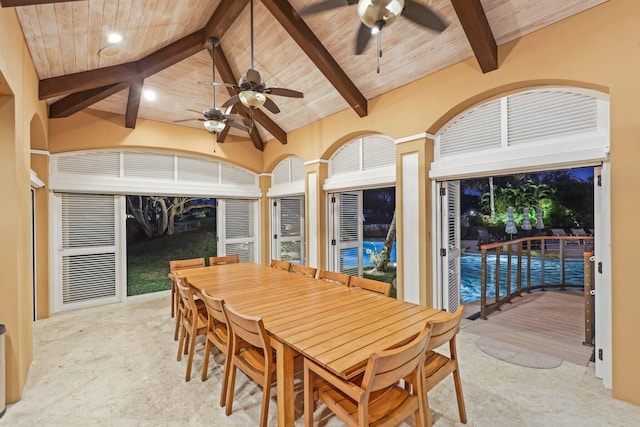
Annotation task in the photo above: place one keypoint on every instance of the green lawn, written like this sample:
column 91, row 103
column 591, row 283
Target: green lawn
column 148, row 261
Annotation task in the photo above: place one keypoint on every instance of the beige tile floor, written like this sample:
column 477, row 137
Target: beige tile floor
column 116, row 366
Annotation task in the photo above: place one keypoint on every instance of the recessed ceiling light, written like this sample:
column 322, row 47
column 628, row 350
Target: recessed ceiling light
column 149, row 95
column 114, row 38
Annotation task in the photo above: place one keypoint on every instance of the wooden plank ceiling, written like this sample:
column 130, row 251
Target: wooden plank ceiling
column 164, row 49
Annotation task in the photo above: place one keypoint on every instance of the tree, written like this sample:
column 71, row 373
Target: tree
column 156, row 214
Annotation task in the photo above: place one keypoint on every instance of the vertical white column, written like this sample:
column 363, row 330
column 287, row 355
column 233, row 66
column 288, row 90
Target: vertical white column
column 410, row 219
column 312, row 218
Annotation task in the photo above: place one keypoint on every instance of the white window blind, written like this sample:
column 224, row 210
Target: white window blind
column 87, row 255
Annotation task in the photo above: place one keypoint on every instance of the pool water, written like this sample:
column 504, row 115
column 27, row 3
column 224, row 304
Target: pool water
column 471, row 266
column 350, row 257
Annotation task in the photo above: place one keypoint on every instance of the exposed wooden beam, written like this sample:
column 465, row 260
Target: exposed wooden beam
column 225, row 15
column 145, row 67
column 476, row 27
column 17, row 3
column 286, row 15
column 224, row 69
column 78, row 101
column 87, row 80
column 92, row 86
column 133, row 104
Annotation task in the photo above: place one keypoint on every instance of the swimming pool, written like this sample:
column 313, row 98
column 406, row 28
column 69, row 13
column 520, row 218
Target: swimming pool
column 471, row 265
column 350, row 256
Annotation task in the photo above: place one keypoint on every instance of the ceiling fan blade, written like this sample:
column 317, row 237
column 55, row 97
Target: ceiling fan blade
column 237, row 126
column 325, row 5
column 280, row 91
column 423, row 16
column 237, row 117
column 187, row 120
column 229, row 102
column 364, row 35
column 271, row 106
column 194, row 111
column 253, row 77
column 201, row 82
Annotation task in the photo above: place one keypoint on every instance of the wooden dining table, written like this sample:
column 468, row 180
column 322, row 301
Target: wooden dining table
column 336, row 326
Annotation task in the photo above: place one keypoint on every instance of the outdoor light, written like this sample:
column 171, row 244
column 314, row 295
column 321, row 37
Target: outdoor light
column 252, row 99
column 214, row 126
column 371, row 12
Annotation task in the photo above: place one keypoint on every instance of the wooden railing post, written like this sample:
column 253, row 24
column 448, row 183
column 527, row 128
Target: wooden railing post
column 483, row 286
column 589, row 309
column 498, row 254
column 509, row 253
column 562, row 263
column 519, row 279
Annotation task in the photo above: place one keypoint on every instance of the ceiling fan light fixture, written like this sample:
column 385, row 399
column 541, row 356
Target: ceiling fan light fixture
column 214, row 126
column 252, row 99
column 373, row 11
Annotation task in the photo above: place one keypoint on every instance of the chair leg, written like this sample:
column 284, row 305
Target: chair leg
column 230, row 389
column 458, row 383
column 178, row 321
column 173, row 298
column 205, row 362
column 308, row 397
column 192, row 347
column 225, row 377
column 266, row 392
column 183, row 332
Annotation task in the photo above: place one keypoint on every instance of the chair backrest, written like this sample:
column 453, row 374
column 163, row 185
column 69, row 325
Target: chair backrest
column 578, row 232
column 443, row 331
column 370, row 285
column 332, row 276
column 280, row 265
column 304, row 270
column 386, row 368
column 558, row 232
column 186, row 295
column 181, row 264
column 248, row 328
column 214, row 307
column 227, row 259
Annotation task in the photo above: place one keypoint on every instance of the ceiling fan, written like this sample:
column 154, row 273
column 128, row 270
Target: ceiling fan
column 253, row 91
column 215, row 120
column 376, row 14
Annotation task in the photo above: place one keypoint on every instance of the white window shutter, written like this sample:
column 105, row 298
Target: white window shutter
column 87, row 253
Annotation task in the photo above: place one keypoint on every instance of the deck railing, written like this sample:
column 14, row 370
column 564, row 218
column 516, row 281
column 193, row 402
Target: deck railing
column 522, row 251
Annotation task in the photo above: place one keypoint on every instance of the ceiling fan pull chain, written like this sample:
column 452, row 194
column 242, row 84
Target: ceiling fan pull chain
column 379, row 51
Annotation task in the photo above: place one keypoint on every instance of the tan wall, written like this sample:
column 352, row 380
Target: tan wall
column 19, row 84
column 595, row 49
column 40, row 165
column 91, row 129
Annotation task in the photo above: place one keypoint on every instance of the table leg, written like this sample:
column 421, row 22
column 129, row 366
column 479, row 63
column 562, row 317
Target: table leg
column 284, row 383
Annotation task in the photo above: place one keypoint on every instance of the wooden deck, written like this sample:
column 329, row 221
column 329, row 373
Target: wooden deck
column 549, row 322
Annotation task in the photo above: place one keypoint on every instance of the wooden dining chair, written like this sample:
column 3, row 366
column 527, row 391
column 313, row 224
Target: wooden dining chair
column 217, row 333
column 304, row 270
column 280, row 265
column 376, row 398
column 193, row 323
column 180, row 264
column 227, row 259
column 438, row 366
column 332, row 276
column 370, row 285
column 250, row 351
